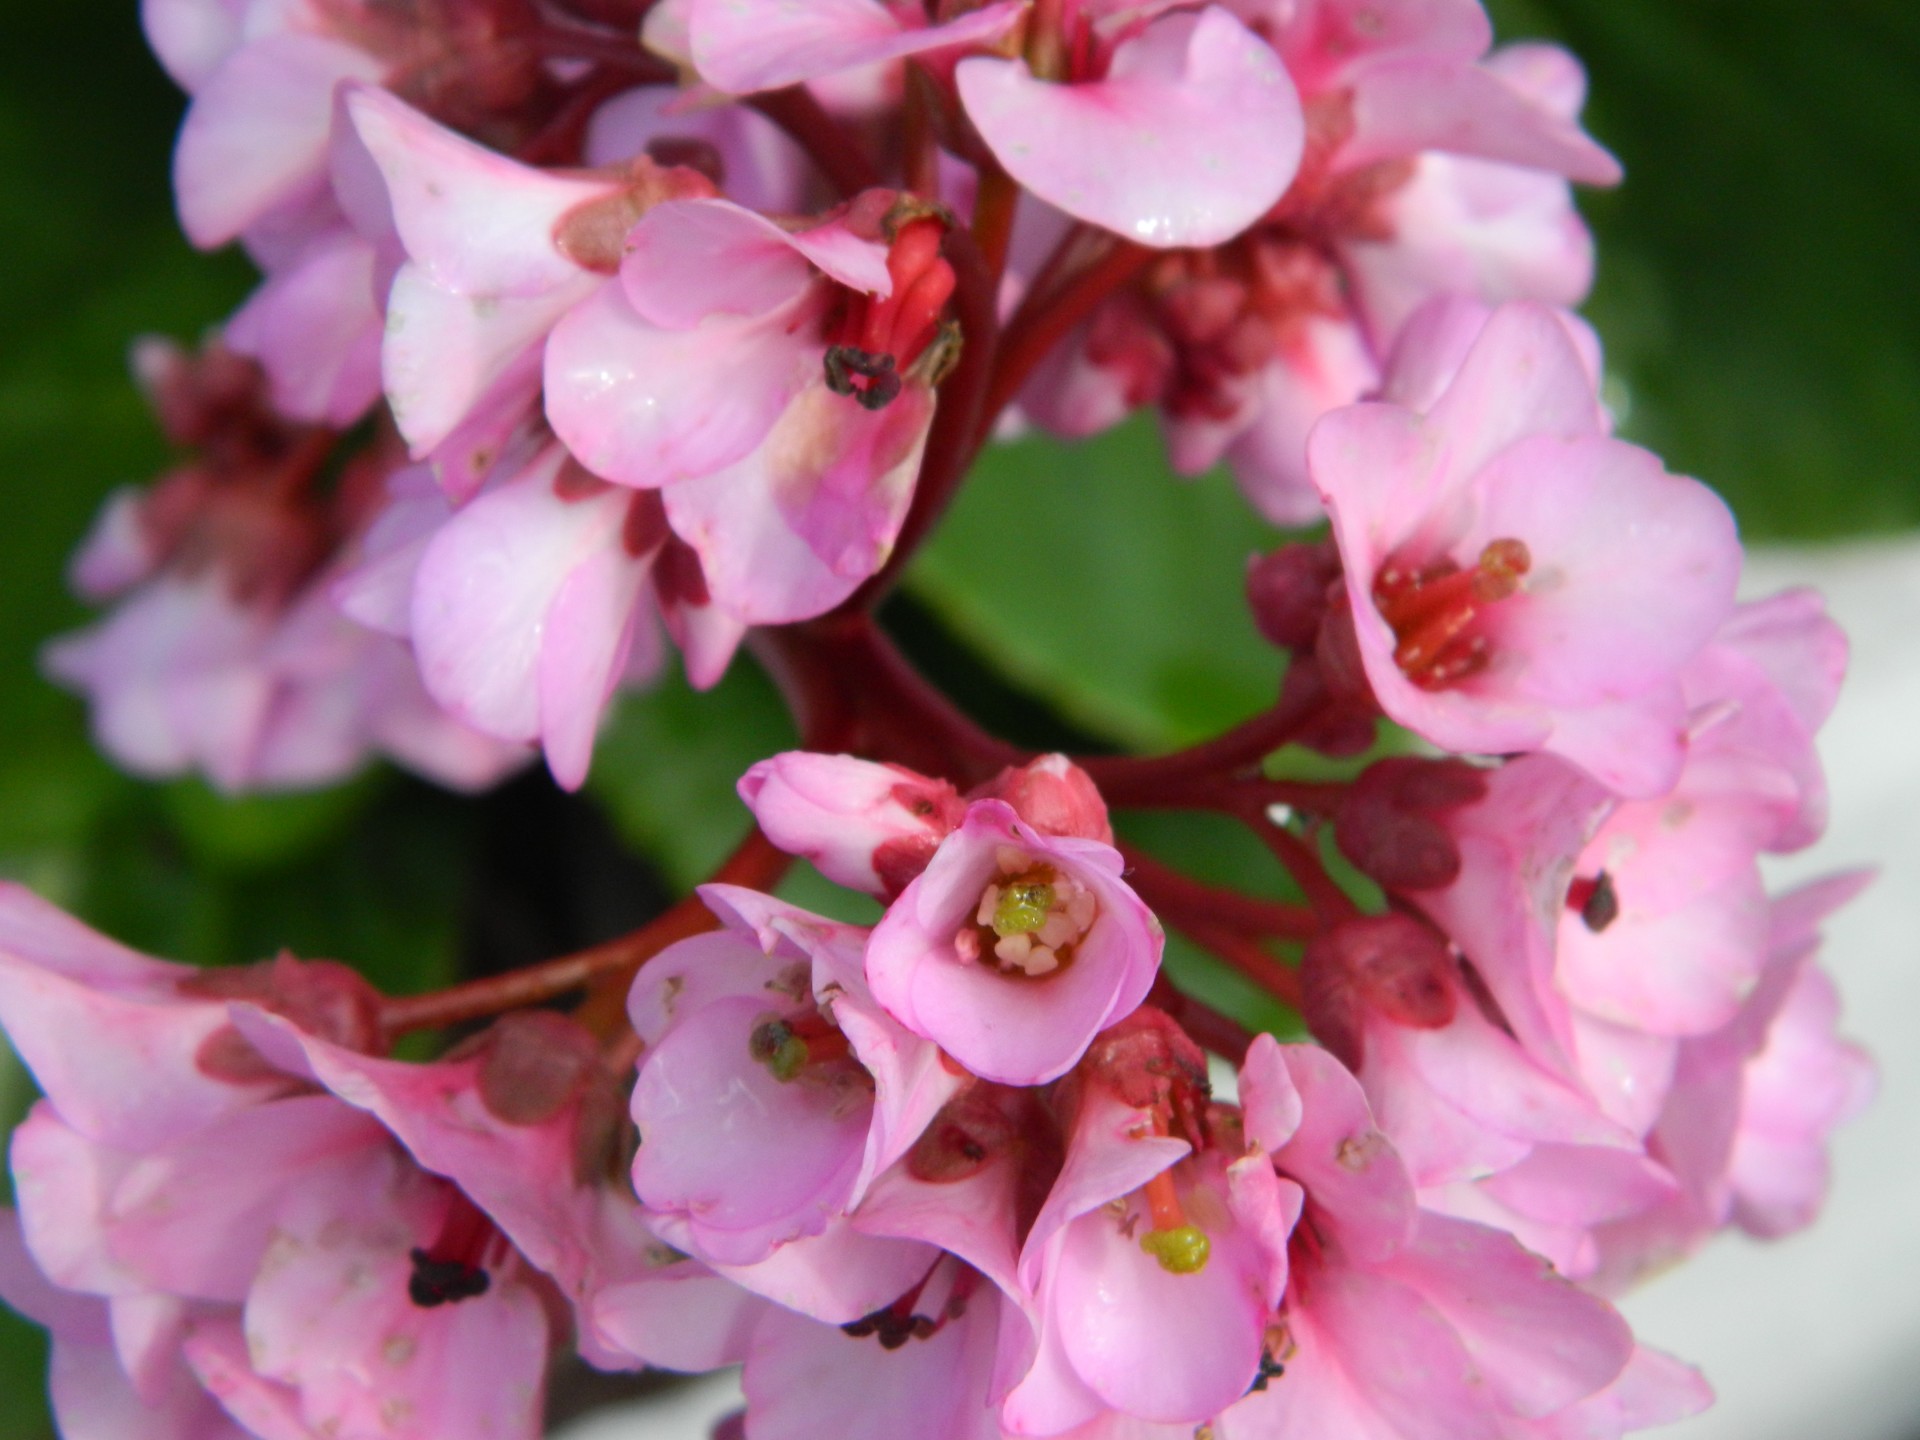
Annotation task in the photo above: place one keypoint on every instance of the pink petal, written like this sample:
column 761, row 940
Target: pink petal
column 790, row 1157
column 195, row 1218
column 761, row 167
column 192, row 37
column 792, row 529
column 315, row 327
column 806, row 1380
column 446, row 354
column 590, row 633
column 1194, row 133
column 477, row 223
column 747, row 45
column 688, row 259
column 1620, row 547
column 646, row 406
column 1407, row 105
column 487, row 586
column 256, row 133
column 682, row 1317
column 1538, row 1343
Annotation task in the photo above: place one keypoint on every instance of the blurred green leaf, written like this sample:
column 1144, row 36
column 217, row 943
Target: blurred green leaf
column 668, row 760
column 1106, row 587
column 1755, row 291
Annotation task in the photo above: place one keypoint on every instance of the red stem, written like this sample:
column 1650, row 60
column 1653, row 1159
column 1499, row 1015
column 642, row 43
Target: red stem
column 1158, row 780
column 1269, row 972
column 841, row 158
column 956, row 434
column 850, row 689
column 1330, row 903
column 1034, row 330
column 755, row 863
column 1168, row 891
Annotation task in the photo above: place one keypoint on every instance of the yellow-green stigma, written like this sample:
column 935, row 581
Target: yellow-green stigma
column 1182, row 1250
column 1024, row 905
column 775, row 1046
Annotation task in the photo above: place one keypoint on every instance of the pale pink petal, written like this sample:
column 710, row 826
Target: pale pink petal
column 1194, row 133
column 790, row 1158
column 1538, row 1342
column 477, row 223
column 761, row 168
column 747, row 45
column 846, row 815
column 681, row 1317
column 646, row 406
column 1621, row 547
column 487, row 584
column 195, row 1218
column 1416, row 103
column 115, row 556
column 315, row 328
column 445, row 353
column 808, row 1381
column 689, row 259
column 1370, row 1360
column 791, row 529
column 590, row 629
column 192, row 37
column 256, row 133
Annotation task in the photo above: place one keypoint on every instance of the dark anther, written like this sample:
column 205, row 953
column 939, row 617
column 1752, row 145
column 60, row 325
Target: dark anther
column 1270, row 1370
column 1600, row 905
column 444, row 1282
column 848, row 366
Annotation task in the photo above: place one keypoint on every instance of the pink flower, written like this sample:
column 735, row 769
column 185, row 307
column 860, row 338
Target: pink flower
column 1013, row 949
column 224, row 654
column 324, row 1281
column 527, row 606
column 771, row 1092
column 496, row 253
column 1400, row 1322
column 1519, row 580
column 1160, row 1254
column 777, row 384
column 1752, row 1107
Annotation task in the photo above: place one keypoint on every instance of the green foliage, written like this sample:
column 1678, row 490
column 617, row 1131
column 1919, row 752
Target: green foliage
column 667, row 763
column 1117, row 598
column 1755, row 289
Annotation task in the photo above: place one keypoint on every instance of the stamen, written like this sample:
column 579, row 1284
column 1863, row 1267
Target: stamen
column 788, row 1046
column 1431, row 610
column 452, row 1269
column 869, row 378
column 1030, row 920
column 1597, row 902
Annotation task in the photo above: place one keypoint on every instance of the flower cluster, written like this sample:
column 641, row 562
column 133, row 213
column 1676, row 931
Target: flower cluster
column 590, row 326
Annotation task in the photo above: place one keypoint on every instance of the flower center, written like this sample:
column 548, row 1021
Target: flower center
column 1434, row 609
column 878, row 340
column 1030, row 919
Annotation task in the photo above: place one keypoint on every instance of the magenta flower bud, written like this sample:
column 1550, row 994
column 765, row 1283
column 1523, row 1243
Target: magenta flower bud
column 1054, row 796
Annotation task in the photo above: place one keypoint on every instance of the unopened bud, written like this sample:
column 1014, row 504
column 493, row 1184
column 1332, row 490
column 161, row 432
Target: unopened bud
column 1287, row 592
column 1054, row 796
